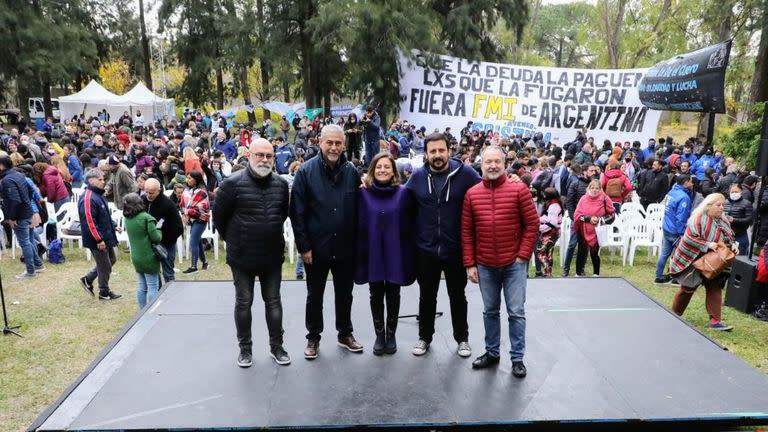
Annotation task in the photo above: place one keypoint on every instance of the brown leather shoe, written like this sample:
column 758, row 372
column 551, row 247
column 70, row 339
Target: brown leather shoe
column 350, row 343
column 310, row 352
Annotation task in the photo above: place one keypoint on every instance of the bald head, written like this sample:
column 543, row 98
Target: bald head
column 261, row 157
column 152, row 188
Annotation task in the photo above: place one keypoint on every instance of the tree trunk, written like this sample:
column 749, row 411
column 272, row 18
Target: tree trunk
column 247, row 93
column 145, row 47
column 264, row 65
column 23, row 93
column 286, row 93
column 759, row 87
column 219, row 88
column 47, row 106
column 613, row 30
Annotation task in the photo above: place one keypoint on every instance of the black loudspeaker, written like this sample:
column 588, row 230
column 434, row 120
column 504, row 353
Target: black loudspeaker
column 762, row 155
column 743, row 291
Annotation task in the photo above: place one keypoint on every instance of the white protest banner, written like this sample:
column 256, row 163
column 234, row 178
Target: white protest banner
column 522, row 100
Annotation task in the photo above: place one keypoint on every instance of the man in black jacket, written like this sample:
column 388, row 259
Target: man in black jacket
column 16, row 197
column 653, row 184
column 249, row 211
column 323, row 215
column 166, row 213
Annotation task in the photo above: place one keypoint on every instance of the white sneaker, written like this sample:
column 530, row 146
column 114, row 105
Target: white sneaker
column 464, row 350
column 26, row 275
column 420, row 348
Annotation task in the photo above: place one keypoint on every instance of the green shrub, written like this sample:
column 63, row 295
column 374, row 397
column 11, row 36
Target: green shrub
column 743, row 142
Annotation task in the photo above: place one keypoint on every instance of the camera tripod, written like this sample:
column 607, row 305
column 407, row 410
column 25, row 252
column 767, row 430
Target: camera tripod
column 6, row 328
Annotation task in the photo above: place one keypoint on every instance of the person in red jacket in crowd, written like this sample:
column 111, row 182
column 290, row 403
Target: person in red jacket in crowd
column 616, row 185
column 499, row 226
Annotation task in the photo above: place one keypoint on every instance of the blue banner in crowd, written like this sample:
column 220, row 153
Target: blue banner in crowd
column 689, row 82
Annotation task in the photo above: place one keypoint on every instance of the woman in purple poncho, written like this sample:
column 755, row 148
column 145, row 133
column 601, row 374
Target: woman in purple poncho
column 385, row 246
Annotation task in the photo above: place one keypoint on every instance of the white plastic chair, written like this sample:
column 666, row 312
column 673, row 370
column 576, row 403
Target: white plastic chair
column 641, row 235
column 654, row 209
column 122, row 235
column 289, row 239
column 66, row 215
column 565, row 237
column 618, row 237
column 633, row 207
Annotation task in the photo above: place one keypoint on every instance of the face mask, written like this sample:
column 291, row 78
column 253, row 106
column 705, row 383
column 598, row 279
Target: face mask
column 593, row 193
column 735, row 196
column 628, row 160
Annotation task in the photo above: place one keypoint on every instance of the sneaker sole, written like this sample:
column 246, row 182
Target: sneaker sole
column 281, row 363
column 519, row 375
column 721, row 329
column 354, row 350
column 419, row 353
column 244, row 365
column 465, row 354
column 309, row 357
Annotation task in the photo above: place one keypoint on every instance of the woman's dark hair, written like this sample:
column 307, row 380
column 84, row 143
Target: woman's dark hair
column 199, row 182
column 132, row 205
column 551, row 196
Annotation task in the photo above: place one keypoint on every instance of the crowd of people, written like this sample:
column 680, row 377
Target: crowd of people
column 363, row 209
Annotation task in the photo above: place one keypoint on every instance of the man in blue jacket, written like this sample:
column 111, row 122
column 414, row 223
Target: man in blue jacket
column 16, row 198
column 438, row 188
column 323, row 214
column 284, row 155
column 221, row 144
column 98, row 234
column 676, row 213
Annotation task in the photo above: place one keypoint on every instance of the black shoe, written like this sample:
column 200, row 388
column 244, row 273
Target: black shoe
column 279, row 355
column 190, row 270
column 109, row 296
column 87, row 286
column 484, row 361
column 390, row 347
column 378, row 346
column 205, row 265
column 245, row 359
column 539, row 274
column 662, row 280
column 519, row 370
column 674, row 281
column 300, row 276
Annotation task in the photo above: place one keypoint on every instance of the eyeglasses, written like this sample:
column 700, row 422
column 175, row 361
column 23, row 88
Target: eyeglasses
column 265, row 156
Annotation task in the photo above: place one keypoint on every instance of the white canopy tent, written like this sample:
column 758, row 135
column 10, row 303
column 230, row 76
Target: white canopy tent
column 142, row 99
column 89, row 101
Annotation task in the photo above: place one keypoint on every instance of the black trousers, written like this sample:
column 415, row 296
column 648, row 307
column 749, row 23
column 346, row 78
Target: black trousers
column 317, row 275
column 104, row 259
column 581, row 258
column 269, row 280
column 380, row 291
column 428, row 270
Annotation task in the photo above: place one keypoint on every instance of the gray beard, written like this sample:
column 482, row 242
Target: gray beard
column 262, row 171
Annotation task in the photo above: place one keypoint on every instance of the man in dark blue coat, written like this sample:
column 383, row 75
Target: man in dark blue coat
column 98, row 234
column 677, row 210
column 323, row 214
column 16, row 196
column 371, row 132
column 438, row 189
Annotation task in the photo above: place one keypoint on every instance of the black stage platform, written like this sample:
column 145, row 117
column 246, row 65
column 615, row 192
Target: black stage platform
column 600, row 355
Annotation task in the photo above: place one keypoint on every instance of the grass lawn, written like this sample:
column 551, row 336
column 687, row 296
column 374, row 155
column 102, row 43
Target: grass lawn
column 64, row 328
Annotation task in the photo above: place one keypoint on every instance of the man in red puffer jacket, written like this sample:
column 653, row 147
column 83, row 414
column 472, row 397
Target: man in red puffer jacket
column 499, row 225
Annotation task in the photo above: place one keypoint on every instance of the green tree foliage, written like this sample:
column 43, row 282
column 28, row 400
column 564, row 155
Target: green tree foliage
column 744, row 142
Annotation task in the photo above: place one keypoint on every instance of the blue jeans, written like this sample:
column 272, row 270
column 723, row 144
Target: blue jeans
column 667, row 246
column 147, row 290
column 743, row 240
column 299, row 266
column 168, row 264
column 196, row 242
column 512, row 279
column 572, row 243
column 22, row 231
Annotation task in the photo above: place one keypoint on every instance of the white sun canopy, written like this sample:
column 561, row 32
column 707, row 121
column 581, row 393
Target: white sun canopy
column 152, row 106
column 89, row 101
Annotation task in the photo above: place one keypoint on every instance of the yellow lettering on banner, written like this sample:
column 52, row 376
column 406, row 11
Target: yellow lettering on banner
column 494, row 107
column 501, row 108
column 476, row 105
